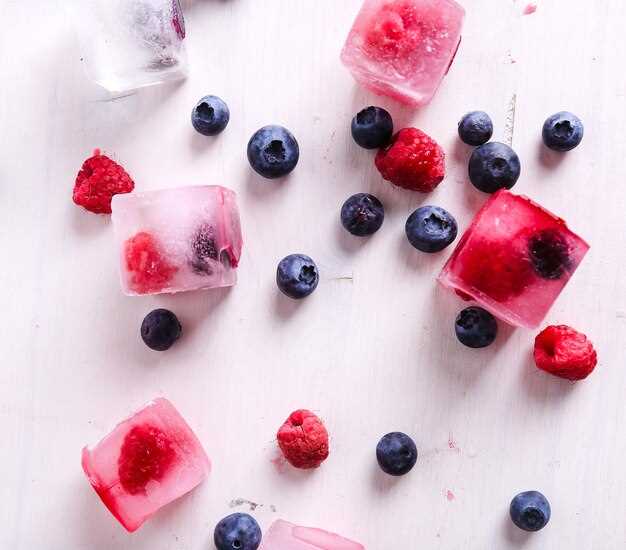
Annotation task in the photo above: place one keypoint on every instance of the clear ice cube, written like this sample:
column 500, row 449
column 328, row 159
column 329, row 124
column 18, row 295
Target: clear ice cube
column 128, row 44
column 283, row 535
column 146, row 462
column 179, row 239
column 514, row 260
column 404, row 48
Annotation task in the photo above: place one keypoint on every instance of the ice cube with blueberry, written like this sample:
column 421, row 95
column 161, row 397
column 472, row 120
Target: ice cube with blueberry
column 179, row 239
column 283, row 535
column 514, row 260
column 404, row 48
column 128, row 44
column 146, row 462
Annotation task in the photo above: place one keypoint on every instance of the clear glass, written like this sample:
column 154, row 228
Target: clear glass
column 129, row 44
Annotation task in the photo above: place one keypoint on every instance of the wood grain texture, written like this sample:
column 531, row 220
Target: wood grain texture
column 372, row 350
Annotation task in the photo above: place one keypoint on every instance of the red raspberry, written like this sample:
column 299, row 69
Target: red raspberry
column 98, row 180
column 149, row 270
column 499, row 270
column 303, row 439
column 412, row 160
column 565, row 352
column 146, row 455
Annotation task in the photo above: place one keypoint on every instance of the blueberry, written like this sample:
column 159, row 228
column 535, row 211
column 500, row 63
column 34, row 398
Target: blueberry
column 273, row 152
column 562, row 131
column 297, row 276
column 396, row 454
column 362, row 214
column 210, row 115
column 476, row 327
column 530, row 511
column 430, row 228
column 237, row 532
column 475, row 128
column 160, row 329
column 372, row 128
column 494, row 166
column 549, row 254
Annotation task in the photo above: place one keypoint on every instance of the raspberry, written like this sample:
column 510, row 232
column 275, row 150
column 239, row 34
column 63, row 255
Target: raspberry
column 98, row 180
column 565, row 352
column 412, row 160
column 303, row 439
column 499, row 270
column 146, row 455
column 149, row 270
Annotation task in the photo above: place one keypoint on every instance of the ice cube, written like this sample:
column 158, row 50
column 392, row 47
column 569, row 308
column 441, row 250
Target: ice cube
column 128, row 44
column 286, row 536
column 146, row 462
column 404, row 48
column 514, row 259
column 175, row 240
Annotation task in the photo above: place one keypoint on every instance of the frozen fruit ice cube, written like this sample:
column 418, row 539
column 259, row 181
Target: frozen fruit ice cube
column 514, row 259
column 283, row 535
column 179, row 239
column 404, row 48
column 146, row 462
column 128, row 44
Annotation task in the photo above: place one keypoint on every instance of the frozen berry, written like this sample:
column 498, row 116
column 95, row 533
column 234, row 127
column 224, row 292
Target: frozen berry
column 530, row 511
column 148, row 270
column 98, row 180
column 297, row 276
column 475, row 128
column 273, row 152
column 237, row 532
column 475, row 327
column 303, row 439
column 565, row 352
column 362, row 214
column 549, row 254
column 146, row 455
column 494, row 166
column 430, row 228
column 562, row 131
column 210, row 115
column 204, row 250
column 501, row 274
column 396, row 454
column 412, row 160
column 160, row 329
column 372, row 128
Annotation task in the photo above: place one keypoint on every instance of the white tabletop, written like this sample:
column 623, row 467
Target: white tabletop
column 372, row 350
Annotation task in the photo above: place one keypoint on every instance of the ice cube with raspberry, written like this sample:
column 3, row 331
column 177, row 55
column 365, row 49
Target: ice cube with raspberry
column 146, row 462
column 404, row 48
column 179, row 239
column 514, row 260
column 283, row 535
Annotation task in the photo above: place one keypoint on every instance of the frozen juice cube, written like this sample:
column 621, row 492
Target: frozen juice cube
column 514, row 260
column 128, row 44
column 404, row 48
column 286, row 536
column 179, row 239
column 146, row 462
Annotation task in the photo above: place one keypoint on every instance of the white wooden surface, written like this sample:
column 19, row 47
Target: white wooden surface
column 372, row 350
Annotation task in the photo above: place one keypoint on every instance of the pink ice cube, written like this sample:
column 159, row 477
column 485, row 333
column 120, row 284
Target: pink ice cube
column 286, row 536
column 146, row 462
column 404, row 48
column 180, row 239
column 514, row 260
